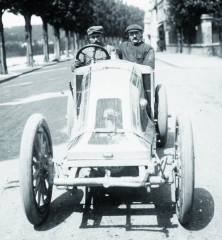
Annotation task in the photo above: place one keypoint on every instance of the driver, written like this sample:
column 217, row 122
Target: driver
column 135, row 50
column 95, row 35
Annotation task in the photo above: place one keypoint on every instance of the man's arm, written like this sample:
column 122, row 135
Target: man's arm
column 78, row 63
column 119, row 52
column 149, row 58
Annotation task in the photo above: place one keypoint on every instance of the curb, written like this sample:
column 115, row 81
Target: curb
column 6, row 79
column 170, row 64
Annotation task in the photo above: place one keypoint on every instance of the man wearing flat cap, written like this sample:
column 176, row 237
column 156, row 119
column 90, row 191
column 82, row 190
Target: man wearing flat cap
column 135, row 50
column 95, row 35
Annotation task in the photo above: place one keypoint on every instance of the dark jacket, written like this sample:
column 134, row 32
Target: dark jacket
column 141, row 53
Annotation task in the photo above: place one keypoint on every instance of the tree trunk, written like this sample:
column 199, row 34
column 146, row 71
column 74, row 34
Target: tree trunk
column 56, row 43
column 67, row 42
column 81, row 40
column 28, row 39
column 76, row 39
column 220, row 44
column 72, row 43
column 45, row 39
column 85, row 40
column 180, row 40
column 3, row 65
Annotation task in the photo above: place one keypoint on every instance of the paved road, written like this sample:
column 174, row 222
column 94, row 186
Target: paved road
column 43, row 91
column 194, row 90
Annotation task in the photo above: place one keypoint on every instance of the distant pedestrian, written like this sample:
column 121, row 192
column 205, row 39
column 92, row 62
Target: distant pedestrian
column 161, row 44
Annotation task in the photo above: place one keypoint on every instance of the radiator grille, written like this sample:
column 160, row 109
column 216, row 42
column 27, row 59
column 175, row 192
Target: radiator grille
column 109, row 114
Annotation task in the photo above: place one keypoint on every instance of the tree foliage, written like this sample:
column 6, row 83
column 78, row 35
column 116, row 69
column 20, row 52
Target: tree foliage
column 186, row 14
column 115, row 16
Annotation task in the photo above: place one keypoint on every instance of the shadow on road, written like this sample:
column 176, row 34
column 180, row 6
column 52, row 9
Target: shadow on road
column 203, row 210
column 131, row 203
column 119, row 202
column 61, row 208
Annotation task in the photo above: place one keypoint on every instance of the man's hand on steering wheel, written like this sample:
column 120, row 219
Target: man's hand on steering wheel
column 95, row 46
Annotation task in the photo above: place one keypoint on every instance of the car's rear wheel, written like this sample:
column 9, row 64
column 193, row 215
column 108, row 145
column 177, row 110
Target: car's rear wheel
column 161, row 115
column 184, row 174
column 35, row 154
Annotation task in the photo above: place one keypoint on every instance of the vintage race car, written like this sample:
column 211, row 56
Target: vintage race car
column 116, row 119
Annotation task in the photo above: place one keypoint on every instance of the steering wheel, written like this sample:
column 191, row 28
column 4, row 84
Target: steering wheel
column 96, row 47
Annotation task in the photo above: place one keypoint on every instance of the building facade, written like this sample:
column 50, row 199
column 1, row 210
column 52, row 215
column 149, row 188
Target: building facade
column 155, row 24
column 162, row 37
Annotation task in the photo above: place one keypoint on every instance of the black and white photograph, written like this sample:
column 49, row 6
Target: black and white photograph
column 110, row 119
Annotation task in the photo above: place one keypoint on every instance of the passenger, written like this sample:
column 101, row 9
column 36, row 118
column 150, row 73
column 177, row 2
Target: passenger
column 135, row 50
column 95, row 36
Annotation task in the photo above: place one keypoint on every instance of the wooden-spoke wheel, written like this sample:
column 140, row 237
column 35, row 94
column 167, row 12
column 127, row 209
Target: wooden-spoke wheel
column 184, row 174
column 35, row 157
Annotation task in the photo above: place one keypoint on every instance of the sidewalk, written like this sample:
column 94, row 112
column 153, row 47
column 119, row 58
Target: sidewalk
column 17, row 65
column 181, row 60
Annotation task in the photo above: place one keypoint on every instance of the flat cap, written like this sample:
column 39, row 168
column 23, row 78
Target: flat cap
column 95, row 29
column 133, row 27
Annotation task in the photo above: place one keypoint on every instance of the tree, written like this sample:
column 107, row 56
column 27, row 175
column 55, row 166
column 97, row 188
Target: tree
column 55, row 15
column 26, row 8
column 79, row 19
column 43, row 9
column 184, row 15
column 4, row 5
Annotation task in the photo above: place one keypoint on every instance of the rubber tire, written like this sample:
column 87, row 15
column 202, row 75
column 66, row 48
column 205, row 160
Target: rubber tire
column 70, row 113
column 184, row 155
column 34, row 214
column 161, row 114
